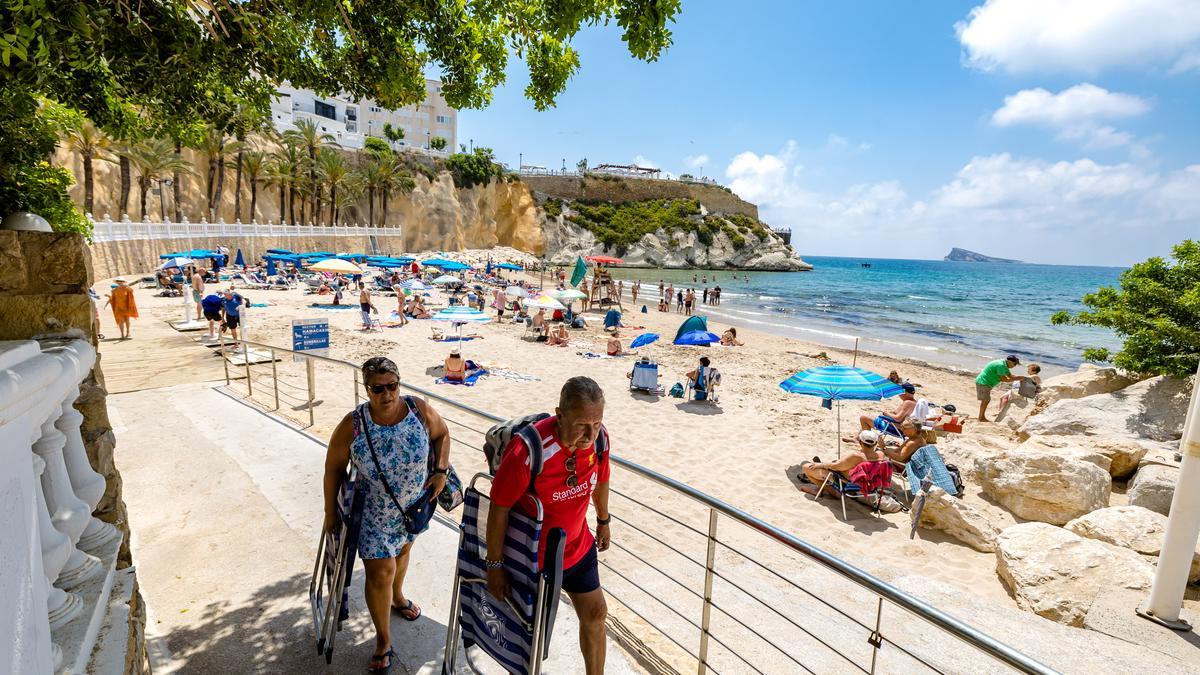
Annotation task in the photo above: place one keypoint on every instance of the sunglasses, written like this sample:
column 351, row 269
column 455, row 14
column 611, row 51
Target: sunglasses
column 380, row 388
column 572, row 479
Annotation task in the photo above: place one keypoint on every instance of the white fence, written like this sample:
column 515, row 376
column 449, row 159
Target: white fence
column 124, row 230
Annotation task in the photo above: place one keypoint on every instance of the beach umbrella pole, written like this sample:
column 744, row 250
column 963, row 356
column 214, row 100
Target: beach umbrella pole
column 838, row 440
column 855, row 361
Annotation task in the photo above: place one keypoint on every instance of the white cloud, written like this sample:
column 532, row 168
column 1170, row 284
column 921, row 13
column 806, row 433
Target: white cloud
column 1079, row 211
column 836, row 142
column 696, row 161
column 643, row 161
column 1076, row 114
column 1079, row 104
column 1081, row 35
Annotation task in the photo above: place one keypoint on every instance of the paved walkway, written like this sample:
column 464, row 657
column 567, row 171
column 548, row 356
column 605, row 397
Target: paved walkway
column 225, row 507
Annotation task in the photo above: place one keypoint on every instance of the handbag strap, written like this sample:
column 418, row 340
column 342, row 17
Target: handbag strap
column 412, row 405
column 362, row 413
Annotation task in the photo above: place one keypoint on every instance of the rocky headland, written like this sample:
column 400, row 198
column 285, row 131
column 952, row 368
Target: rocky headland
column 963, row 255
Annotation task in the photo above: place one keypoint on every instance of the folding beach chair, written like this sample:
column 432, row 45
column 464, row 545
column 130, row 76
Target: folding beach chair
column 516, row 633
column 710, row 377
column 866, row 484
column 645, row 377
column 329, row 590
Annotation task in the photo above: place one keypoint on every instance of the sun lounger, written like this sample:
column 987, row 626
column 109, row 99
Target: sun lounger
column 250, row 282
column 516, row 632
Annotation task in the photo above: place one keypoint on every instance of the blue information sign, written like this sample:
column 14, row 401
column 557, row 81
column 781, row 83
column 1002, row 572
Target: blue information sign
column 310, row 335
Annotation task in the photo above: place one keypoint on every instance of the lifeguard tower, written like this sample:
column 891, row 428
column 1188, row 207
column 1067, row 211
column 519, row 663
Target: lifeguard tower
column 602, row 292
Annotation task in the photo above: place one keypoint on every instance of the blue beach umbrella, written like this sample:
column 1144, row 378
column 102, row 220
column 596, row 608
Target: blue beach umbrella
column 838, row 383
column 510, row 266
column 239, row 260
column 435, row 262
column 271, row 271
column 643, row 340
column 178, row 262
column 454, row 267
column 281, row 251
column 696, row 338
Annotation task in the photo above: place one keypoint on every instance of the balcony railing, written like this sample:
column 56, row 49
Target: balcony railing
column 713, row 587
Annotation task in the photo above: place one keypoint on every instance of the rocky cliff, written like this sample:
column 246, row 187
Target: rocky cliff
column 438, row 216
column 963, row 255
column 566, row 240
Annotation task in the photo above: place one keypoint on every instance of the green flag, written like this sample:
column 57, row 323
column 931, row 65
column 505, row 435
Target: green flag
column 580, row 271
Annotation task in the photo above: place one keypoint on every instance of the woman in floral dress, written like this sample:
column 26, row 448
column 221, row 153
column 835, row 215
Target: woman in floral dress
column 402, row 443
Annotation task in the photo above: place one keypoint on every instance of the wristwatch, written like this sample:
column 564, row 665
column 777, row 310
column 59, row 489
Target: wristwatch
column 603, row 521
column 494, row 564
column 441, row 471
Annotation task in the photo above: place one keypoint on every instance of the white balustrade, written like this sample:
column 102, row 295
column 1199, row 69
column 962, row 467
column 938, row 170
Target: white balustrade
column 46, row 500
column 126, row 230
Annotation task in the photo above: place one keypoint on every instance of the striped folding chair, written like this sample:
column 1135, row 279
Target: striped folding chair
column 516, row 633
column 329, row 590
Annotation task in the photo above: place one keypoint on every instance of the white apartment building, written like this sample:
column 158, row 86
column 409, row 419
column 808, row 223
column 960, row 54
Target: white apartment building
column 349, row 121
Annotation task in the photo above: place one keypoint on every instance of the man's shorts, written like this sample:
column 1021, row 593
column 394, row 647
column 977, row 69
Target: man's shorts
column 583, row 576
column 213, row 316
column 983, row 392
column 196, row 295
column 231, row 322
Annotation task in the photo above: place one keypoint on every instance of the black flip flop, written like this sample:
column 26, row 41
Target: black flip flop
column 410, row 607
column 389, row 655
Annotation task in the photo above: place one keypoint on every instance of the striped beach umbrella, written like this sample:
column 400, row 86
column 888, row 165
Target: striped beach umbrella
column 838, row 383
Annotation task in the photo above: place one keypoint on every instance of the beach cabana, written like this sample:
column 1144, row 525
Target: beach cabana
column 690, row 325
column 281, row 251
column 510, row 266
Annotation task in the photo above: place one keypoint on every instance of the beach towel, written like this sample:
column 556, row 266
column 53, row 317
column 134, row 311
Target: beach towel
column 926, row 461
column 469, row 380
column 317, row 305
column 514, row 375
column 594, row 355
column 456, row 338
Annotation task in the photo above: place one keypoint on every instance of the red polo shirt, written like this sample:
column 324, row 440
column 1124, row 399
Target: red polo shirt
column 562, row 506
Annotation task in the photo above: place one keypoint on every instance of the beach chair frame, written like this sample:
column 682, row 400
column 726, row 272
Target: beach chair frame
column 544, row 603
column 712, row 392
column 329, row 588
column 645, row 366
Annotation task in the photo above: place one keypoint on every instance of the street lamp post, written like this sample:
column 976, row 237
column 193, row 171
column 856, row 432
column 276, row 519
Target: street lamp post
column 564, row 165
column 472, row 142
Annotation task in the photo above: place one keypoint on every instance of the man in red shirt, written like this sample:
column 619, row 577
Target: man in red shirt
column 571, row 473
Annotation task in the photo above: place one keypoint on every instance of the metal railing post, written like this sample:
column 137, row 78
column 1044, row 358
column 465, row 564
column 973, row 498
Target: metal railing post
column 275, row 378
column 876, row 638
column 224, row 356
column 710, row 563
column 246, row 360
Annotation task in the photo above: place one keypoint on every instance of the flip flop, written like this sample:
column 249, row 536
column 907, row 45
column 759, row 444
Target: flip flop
column 410, row 612
column 378, row 658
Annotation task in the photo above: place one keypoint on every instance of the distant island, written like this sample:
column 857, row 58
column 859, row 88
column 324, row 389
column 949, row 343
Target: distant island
column 963, row 255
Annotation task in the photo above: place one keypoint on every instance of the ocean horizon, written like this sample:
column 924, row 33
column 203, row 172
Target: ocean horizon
column 958, row 314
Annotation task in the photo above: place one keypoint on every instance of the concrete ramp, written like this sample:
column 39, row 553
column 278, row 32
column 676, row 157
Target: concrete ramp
column 225, row 508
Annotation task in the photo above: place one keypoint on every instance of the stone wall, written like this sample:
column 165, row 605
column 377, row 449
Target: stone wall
column 137, row 256
column 44, row 279
column 715, row 199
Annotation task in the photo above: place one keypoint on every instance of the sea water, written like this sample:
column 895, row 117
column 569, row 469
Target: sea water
column 951, row 313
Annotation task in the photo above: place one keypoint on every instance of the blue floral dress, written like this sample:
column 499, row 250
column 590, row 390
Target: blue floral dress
column 403, row 452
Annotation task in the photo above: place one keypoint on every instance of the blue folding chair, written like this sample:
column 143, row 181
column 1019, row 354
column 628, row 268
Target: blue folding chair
column 516, row 632
column 329, row 590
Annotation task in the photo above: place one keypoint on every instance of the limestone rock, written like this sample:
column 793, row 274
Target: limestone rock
column 1041, row 486
column 65, row 261
column 960, row 520
column 1132, row 527
column 1153, row 409
column 1076, row 447
column 12, row 261
column 1153, row 487
column 1057, row 574
column 1121, row 455
column 1088, row 380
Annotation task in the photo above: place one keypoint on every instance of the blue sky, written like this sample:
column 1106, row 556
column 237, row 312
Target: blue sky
column 1058, row 132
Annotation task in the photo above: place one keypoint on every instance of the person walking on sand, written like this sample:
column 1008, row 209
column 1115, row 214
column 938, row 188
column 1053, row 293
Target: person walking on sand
column 688, row 301
column 400, row 298
column 388, row 440
column 233, row 311
column 993, row 374
column 365, row 304
column 197, row 291
column 575, row 469
column 123, row 305
column 637, row 286
column 679, row 301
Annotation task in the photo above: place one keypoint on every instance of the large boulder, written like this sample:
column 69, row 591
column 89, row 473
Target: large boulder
column 1133, row 527
column 1088, row 380
column 1041, row 486
column 1153, row 409
column 1057, row 574
column 1118, row 455
column 960, row 520
column 1153, row 487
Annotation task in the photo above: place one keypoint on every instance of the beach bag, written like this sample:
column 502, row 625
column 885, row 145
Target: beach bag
column 498, row 438
column 956, row 478
column 1027, row 388
column 676, row 390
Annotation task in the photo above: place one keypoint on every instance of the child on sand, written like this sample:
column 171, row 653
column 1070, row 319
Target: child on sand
column 1020, row 388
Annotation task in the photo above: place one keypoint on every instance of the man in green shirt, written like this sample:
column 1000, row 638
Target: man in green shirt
column 993, row 374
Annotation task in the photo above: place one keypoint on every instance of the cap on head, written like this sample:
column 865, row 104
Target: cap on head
column 868, row 437
column 908, row 388
column 1013, row 358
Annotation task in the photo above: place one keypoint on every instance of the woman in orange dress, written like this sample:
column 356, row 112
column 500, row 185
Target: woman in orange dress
column 123, row 305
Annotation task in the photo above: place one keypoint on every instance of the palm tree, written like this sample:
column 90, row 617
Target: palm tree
column 283, row 172
column 394, row 179
column 90, row 142
column 155, row 159
column 371, row 175
column 216, row 146
column 122, row 150
column 308, row 136
column 335, row 174
column 254, row 166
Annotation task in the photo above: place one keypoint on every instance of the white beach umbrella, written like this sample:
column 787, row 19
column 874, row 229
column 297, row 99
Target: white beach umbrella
column 516, row 292
column 459, row 315
column 337, row 266
column 569, row 294
column 543, row 302
column 447, row 279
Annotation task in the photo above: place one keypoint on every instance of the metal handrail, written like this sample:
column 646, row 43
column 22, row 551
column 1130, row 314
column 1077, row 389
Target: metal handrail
column 988, row 645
